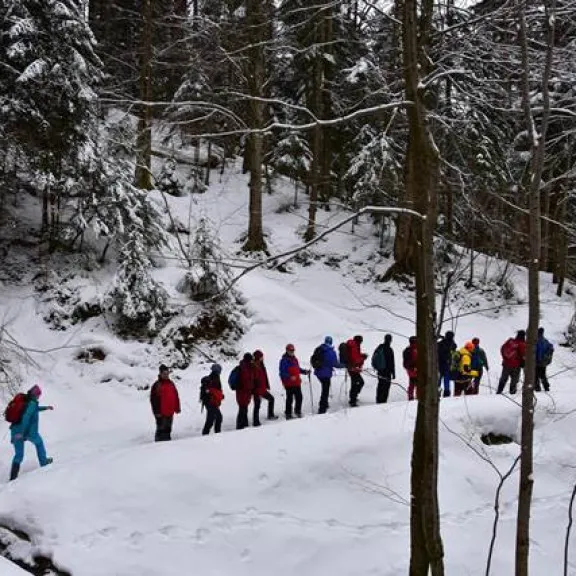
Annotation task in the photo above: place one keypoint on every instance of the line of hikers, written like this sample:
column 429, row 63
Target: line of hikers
column 249, row 380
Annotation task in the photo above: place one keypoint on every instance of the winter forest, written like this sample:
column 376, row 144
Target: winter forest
column 184, row 182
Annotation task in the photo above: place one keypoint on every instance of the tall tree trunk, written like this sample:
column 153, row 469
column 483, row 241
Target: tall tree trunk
column 327, row 79
column 426, row 549
column 317, row 137
column 562, row 249
column 526, row 482
column 143, row 175
column 255, row 74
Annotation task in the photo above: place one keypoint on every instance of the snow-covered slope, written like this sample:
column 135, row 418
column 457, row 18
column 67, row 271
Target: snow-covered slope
column 327, row 494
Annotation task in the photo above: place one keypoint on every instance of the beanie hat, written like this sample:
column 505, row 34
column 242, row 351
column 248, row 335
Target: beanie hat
column 290, row 348
column 248, row 357
column 388, row 338
column 358, row 339
column 35, row 391
column 469, row 346
column 328, row 340
column 216, row 369
column 163, row 368
column 476, row 340
column 258, row 354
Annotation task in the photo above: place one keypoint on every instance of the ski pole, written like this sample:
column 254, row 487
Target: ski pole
column 311, row 393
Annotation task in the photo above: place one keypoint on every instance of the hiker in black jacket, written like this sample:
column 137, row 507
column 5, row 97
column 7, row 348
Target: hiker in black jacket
column 383, row 363
column 445, row 348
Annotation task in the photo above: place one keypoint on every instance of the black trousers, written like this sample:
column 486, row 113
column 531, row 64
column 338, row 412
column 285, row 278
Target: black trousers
column 356, row 385
column 383, row 388
column 323, row 404
column 541, row 378
column 293, row 396
column 163, row 428
column 242, row 418
column 258, row 403
column 513, row 374
column 213, row 418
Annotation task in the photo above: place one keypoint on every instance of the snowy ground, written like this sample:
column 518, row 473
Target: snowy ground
column 325, row 495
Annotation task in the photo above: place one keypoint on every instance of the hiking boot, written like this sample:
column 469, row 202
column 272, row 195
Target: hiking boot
column 48, row 462
column 256, row 424
column 272, row 417
column 353, row 403
column 14, row 471
column 288, row 416
column 298, row 414
column 446, row 394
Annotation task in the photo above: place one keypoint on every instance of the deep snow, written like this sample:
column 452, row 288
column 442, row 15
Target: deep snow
column 327, row 494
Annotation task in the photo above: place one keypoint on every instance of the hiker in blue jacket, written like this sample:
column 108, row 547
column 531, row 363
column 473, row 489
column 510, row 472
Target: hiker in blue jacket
column 27, row 429
column 544, row 354
column 327, row 361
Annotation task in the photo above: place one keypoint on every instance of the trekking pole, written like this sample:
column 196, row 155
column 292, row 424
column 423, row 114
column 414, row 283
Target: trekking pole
column 311, row 393
column 489, row 381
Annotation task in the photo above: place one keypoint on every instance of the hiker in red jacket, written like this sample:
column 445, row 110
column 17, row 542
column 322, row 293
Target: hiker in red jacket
column 245, row 389
column 290, row 372
column 262, row 389
column 211, row 396
column 165, row 403
column 355, row 362
column 513, row 353
column 410, row 361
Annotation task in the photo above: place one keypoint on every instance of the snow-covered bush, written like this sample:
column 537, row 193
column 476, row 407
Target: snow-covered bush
column 167, row 181
column 216, row 316
column 139, row 302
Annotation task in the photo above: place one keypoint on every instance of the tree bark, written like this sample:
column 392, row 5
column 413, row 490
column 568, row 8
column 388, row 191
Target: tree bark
column 526, row 482
column 317, row 137
column 421, row 179
column 255, row 74
column 143, row 174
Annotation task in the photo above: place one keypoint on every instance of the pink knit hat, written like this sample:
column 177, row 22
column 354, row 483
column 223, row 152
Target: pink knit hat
column 35, row 391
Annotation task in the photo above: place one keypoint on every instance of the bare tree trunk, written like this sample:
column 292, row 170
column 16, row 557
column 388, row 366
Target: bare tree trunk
column 208, row 163
column 426, row 549
column 255, row 74
column 561, row 248
column 143, row 174
column 317, row 138
column 535, row 178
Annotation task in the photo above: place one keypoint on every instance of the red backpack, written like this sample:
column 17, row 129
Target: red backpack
column 15, row 409
column 510, row 350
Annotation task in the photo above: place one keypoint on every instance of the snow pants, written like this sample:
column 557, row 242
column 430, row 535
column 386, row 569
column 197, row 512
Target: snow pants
column 242, row 418
column 412, row 388
column 513, row 374
column 383, row 387
column 323, row 404
column 356, row 385
column 163, row 428
column 213, row 418
column 293, row 396
column 36, row 439
column 445, row 381
column 541, row 378
column 463, row 385
column 258, row 403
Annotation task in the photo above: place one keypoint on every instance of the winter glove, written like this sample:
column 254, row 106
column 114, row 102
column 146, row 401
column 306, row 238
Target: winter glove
column 18, row 436
column 365, row 356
